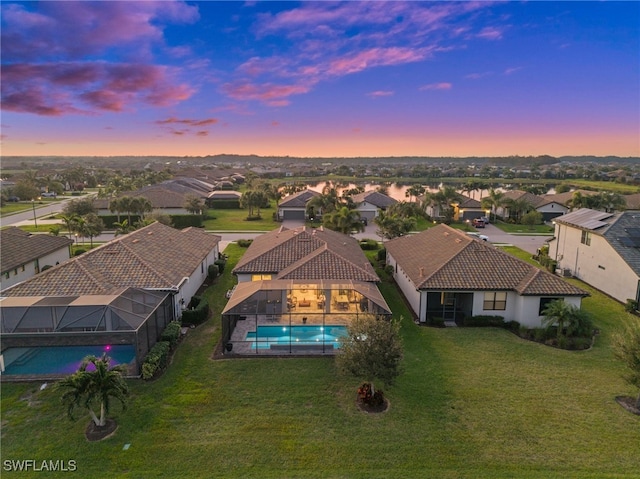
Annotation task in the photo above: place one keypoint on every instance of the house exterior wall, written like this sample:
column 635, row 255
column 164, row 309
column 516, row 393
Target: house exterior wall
column 597, row 264
column 552, row 210
column 292, row 213
column 189, row 288
column 33, row 267
column 367, row 210
column 414, row 297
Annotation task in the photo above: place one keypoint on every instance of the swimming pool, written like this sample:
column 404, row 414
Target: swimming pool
column 267, row 336
column 60, row 360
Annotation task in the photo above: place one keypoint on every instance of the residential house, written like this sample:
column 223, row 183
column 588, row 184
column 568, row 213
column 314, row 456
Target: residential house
column 464, row 209
column 152, row 272
column 602, row 249
column 24, row 255
column 294, row 207
column 370, row 203
column 291, row 277
column 447, row 274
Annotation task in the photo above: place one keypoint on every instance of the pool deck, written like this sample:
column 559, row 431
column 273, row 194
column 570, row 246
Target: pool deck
column 243, row 348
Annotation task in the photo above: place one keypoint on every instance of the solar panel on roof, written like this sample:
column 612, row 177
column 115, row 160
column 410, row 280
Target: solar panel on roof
column 633, row 232
column 626, row 241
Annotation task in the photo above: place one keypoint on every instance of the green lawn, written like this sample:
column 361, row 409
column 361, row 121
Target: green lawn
column 236, row 220
column 472, row 403
column 524, row 229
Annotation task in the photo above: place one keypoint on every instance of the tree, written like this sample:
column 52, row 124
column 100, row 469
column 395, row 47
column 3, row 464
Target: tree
column 140, row 206
column 493, row 201
column 80, row 207
column 69, row 221
column 626, row 347
column 95, row 388
column 532, row 218
column 343, row 220
column 253, row 200
column 94, row 226
column 392, row 225
column 123, row 227
column 414, row 191
column 26, row 190
column 193, row 204
column 517, row 207
column 372, row 350
column 568, row 319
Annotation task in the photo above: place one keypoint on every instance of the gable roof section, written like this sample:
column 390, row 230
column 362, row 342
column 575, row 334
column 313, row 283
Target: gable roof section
column 563, row 198
column 375, row 198
column 298, row 200
column 306, row 253
column 632, row 201
column 535, row 200
column 156, row 256
column 20, row 247
column 443, row 258
column 466, row 202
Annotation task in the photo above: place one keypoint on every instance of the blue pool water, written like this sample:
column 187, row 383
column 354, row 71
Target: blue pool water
column 61, row 360
column 265, row 336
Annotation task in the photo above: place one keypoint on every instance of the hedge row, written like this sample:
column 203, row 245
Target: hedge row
column 184, row 221
column 171, row 333
column 156, row 359
column 197, row 315
column 224, row 204
column 484, row 321
column 369, row 244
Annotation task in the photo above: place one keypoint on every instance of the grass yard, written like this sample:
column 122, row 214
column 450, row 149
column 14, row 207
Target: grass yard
column 472, row 403
column 236, row 220
column 524, row 229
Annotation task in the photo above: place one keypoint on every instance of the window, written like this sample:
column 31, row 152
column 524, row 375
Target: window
column 586, row 238
column 544, row 302
column 260, row 277
column 495, row 301
column 6, row 275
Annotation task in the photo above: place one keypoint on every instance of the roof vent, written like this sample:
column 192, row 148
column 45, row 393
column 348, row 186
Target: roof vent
column 135, row 241
column 421, row 271
column 150, row 233
column 446, row 233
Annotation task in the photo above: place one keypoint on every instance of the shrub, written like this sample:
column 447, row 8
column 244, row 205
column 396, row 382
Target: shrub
column 244, row 243
column 382, row 254
column 513, row 326
column 195, row 301
column 45, row 267
column 213, row 271
column 171, row 333
column 389, row 270
column 184, row 221
column 79, row 251
column 631, row 305
column 197, row 315
column 435, row 321
column 156, row 359
column 369, row 244
column 220, row 263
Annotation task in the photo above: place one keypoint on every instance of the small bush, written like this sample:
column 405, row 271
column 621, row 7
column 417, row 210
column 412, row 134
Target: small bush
column 197, row 315
column 513, row 326
column 382, row 254
column 156, row 359
column 184, row 221
column 79, row 251
column 253, row 218
column 195, row 301
column 484, row 321
column 435, row 321
column 213, row 271
column 631, row 305
column 220, row 263
column 389, row 270
column 171, row 333
column 369, row 244
column 244, row 243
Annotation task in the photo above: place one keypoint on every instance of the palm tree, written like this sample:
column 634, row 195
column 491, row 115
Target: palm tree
column 123, row 227
column 492, row 202
column 125, row 206
column 517, row 207
column 343, row 220
column 93, row 226
column 115, row 206
column 414, row 191
column 140, row 206
column 577, row 201
column 91, row 389
column 569, row 319
column 69, row 221
column 193, row 204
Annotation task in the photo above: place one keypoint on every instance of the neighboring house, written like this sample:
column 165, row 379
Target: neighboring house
column 551, row 208
column 370, row 203
column 156, row 257
column 299, row 276
column 444, row 273
column 518, row 195
column 602, row 249
column 294, row 207
column 632, row 201
column 24, row 255
column 224, row 199
column 464, row 209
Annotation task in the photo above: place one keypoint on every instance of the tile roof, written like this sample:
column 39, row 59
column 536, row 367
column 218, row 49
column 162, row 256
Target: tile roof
column 156, row 256
column 375, row 198
column 307, row 253
column 18, row 247
column 586, row 218
column 632, row 201
column 443, row 258
column 466, row 202
column 298, row 200
column 563, row 198
column 535, row 200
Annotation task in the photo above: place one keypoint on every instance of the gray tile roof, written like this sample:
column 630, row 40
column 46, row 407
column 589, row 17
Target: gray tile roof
column 298, row 200
column 306, row 253
column 156, row 256
column 623, row 234
column 586, row 218
column 443, row 258
column 19, row 247
column 375, row 198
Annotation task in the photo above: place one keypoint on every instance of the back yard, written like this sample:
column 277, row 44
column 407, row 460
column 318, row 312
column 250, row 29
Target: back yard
column 472, row 403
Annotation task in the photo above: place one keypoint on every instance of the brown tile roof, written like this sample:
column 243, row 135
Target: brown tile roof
column 443, row 258
column 298, row 200
column 633, row 201
column 156, row 256
column 563, row 198
column 307, row 253
column 18, row 247
column 375, row 198
column 535, row 200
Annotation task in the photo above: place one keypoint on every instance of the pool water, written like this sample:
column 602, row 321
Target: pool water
column 266, row 336
column 61, row 360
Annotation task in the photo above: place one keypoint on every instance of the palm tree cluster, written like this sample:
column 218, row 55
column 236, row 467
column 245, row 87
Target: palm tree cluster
column 131, row 205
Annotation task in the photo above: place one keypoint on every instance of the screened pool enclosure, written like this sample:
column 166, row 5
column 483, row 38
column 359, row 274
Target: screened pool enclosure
column 287, row 316
column 132, row 317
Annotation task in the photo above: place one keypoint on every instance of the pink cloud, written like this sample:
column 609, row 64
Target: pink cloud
column 436, row 86
column 54, row 89
column 270, row 94
column 202, row 133
column 376, row 57
column 510, row 71
column 380, row 93
column 490, row 33
column 476, row 76
column 174, row 120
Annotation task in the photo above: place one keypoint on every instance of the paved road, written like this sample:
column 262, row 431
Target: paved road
column 495, row 234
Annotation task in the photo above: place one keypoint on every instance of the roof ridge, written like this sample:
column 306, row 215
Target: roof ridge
column 141, row 260
column 533, row 273
column 433, row 273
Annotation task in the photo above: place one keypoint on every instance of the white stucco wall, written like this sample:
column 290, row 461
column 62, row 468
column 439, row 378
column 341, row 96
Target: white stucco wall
column 407, row 288
column 597, row 264
column 553, row 208
column 34, row 267
column 189, row 288
column 367, row 210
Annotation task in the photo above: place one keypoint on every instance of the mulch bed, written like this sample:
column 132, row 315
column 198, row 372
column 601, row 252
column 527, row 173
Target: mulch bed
column 373, row 409
column 98, row 433
column 629, row 403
